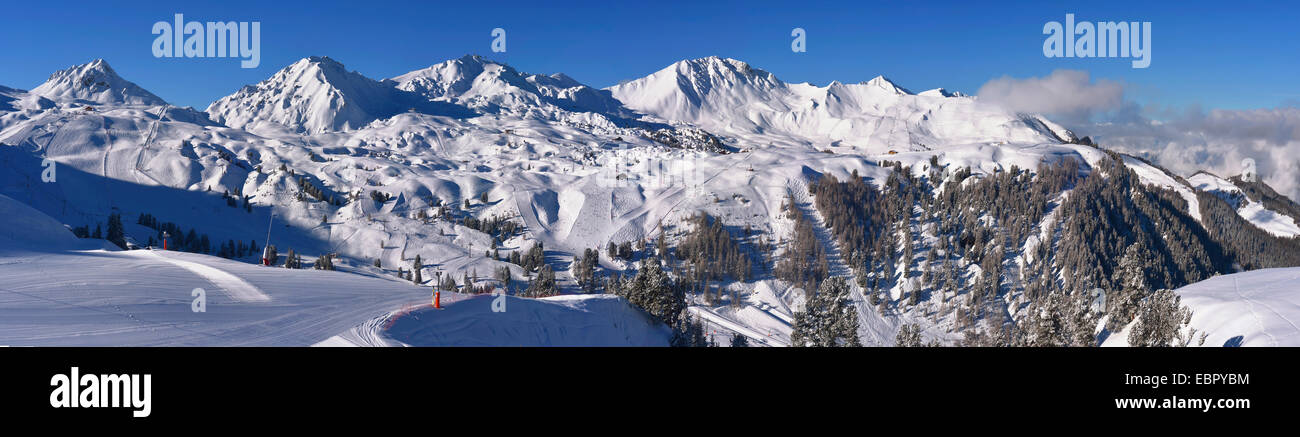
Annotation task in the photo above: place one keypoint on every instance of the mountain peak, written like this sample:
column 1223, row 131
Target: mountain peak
column 94, row 82
column 884, row 83
column 314, row 94
column 452, row 78
column 489, row 86
column 323, row 68
column 319, row 60
column 718, row 66
column 941, row 92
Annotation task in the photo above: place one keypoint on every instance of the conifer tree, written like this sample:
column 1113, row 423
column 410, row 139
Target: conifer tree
column 828, row 318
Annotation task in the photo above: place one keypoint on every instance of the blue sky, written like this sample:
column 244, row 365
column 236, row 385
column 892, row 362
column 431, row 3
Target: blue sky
column 1241, row 55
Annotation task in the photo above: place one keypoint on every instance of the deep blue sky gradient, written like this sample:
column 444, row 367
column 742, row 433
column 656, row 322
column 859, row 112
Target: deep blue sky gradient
column 1235, row 55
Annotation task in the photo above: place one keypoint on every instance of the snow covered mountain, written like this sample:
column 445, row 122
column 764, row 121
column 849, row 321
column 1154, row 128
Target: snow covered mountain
column 1250, row 206
column 490, row 87
column 470, row 165
column 96, row 83
column 731, row 97
column 316, row 94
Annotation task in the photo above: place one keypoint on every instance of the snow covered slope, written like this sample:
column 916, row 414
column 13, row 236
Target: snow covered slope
column 1255, row 212
column 145, row 298
column 595, row 320
column 1256, row 308
column 28, row 228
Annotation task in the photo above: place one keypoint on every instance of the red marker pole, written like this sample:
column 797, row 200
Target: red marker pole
column 437, row 299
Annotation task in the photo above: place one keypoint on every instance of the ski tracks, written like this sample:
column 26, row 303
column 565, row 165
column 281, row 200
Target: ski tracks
column 235, row 287
column 1250, row 304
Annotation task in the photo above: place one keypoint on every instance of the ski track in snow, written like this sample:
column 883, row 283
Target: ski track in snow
column 878, row 330
column 232, row 285
column 710, row 315
column 1250, row 305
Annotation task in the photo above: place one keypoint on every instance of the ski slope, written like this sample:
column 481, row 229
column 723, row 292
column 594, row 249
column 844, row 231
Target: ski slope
column 62, row 291
column 1255, row 308
column 144, row 298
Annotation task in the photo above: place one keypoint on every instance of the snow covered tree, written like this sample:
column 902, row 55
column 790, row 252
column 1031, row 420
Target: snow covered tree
column 909, row 336
column 544, row 285
column 688, row 332
column 828, row 319
column 584, row 269
column 656, row 293
column 1160, row 317
column 1131, row 280
column 503, row 275
column 325, row 262
column 292, row 260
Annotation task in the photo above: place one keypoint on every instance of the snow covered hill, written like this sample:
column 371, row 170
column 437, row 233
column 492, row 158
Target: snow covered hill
column 468, row 164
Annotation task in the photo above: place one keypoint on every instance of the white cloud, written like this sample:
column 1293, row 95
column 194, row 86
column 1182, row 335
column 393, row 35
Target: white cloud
column 1183, row 140
column 1216, row 141
column 1065, row 94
